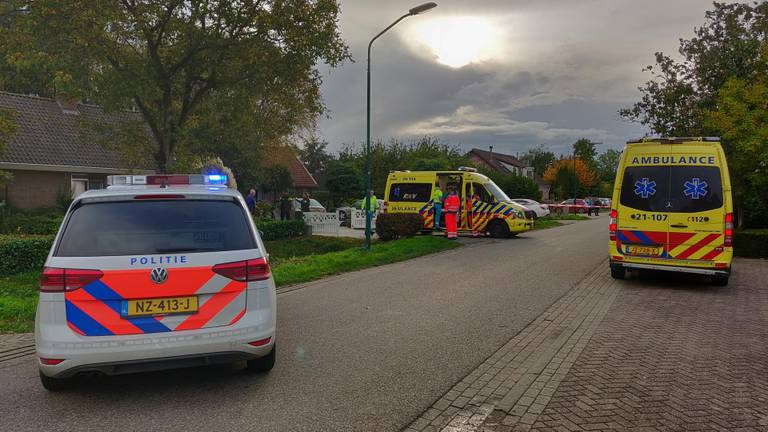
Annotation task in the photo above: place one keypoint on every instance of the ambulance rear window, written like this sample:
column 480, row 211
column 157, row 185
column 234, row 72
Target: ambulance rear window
column 410, row 192
column 155, row 227
column 673, row 189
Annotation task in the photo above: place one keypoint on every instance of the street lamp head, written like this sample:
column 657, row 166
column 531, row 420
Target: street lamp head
column 422, row 8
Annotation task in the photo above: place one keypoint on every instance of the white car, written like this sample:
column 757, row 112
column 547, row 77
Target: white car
column 314, row 205
column 541, row 210
column 152, row 273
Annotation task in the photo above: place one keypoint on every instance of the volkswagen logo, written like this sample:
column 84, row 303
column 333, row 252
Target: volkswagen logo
column 159, row 275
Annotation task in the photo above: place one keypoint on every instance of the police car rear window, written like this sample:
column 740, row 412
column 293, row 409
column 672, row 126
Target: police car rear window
column 410, row 192
column 155, row 227
column 673, row 189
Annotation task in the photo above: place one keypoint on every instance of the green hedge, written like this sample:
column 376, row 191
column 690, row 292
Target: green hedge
column 392, row 226
column 20, row 254
column 752, row 243
column 21, row 223
column 276, row 230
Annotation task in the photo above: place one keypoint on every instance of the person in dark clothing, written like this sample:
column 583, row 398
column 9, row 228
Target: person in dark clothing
column 250, row 201
column 305, row 203
column 285, row 207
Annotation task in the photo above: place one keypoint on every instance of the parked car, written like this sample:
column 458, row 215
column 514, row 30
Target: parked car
column 539, row 210
column 314, row 205
column 577, row 206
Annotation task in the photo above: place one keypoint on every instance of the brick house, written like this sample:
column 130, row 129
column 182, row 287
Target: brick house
column 508, row 164
column 53, row 154
column 303, row 181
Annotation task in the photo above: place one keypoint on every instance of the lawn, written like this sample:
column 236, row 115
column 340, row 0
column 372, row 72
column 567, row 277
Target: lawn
column 293, row 260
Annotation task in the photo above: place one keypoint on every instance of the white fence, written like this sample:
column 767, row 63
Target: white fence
column 323, row 223
column 358, row 219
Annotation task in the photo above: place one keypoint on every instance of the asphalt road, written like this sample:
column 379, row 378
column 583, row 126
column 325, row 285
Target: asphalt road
column 369, row 350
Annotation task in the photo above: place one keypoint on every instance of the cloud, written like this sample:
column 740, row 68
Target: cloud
column 468, row 120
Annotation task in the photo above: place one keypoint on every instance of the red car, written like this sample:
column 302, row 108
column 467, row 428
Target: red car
column 578, row 206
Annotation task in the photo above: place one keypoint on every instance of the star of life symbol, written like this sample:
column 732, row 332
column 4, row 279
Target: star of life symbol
column 645, row 188
column 695, row 188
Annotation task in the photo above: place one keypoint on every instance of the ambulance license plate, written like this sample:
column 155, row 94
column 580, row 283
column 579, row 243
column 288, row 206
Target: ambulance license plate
column 160, row 306
column 644, row 250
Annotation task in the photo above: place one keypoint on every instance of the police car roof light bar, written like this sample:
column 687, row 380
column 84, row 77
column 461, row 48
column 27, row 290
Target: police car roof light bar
column 165, row 180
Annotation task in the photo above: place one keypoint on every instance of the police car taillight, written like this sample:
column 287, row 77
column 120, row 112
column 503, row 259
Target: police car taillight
column 168, row 180
column 728, row 241
column 613, row 224
column 244, row 271
column 61, row 280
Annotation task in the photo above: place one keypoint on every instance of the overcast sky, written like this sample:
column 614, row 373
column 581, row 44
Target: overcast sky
column 509, row 73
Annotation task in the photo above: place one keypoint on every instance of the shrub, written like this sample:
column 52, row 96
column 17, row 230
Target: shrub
column 22, row 223
column 752, row 243
column 20, row 254
column 392, row 226
column 276, row 230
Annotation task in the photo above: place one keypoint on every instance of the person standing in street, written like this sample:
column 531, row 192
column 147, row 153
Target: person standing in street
column 285, row 207
column 305, row 204
column 374, row 203
column 437, row 201
column 452, row 207
column 250, row 201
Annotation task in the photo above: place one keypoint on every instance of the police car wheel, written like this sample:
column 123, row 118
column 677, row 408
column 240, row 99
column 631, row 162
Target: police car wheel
column 720, row 280
column 263, row 364
column 56, row 384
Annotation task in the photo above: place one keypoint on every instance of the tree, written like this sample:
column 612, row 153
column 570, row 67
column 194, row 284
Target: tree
column 343, row 180
column 314, row 155
column 539, row 158
column 606, row 165
column 585, row 150
column 174, row 59
column 742, row 118
column 561, row 176
column 728, row 45
column 7, row 129
column 275, row 178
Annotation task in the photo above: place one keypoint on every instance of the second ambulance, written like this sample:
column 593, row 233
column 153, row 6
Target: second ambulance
column 672, row 208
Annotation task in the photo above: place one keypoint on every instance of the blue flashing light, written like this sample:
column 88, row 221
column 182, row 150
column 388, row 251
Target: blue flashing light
column 220, row 179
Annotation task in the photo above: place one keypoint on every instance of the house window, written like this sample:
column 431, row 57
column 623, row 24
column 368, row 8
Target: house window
column 78, row 184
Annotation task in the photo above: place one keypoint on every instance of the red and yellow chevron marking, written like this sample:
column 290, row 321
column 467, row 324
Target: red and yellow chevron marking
column 697, row 247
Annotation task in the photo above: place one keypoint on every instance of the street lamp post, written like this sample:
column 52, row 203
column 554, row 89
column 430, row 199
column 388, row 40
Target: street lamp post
column 413, row 11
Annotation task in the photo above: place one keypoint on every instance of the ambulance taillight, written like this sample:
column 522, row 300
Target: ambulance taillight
column 728, row 242
column 613, row 224
column 385, row 207
column 62, row 280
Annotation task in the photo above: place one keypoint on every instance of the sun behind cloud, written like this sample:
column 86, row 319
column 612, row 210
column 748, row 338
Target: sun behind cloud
column 459, row 41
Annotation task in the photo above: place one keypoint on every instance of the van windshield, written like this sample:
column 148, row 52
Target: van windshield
column 155, row 227
column 675, row 189
column 496, row 192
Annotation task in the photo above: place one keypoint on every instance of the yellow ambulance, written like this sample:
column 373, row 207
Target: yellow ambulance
column 485, row 208
column 672, row 208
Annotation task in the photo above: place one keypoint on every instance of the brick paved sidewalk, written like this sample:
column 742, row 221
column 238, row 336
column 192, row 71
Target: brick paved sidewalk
column 641, row 355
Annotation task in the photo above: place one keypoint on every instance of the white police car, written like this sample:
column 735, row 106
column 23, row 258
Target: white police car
column 155, row 272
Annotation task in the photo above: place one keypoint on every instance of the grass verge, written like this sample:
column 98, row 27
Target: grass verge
column 313, row 267
column 18, row 300
column 293, row 261
column 553, row 220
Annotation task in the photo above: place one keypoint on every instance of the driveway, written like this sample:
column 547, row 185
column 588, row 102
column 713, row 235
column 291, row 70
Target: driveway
column 369, row 350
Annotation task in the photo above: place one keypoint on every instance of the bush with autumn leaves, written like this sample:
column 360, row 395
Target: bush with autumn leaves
column 560, row 174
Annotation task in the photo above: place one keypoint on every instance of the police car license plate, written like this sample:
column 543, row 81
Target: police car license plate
column 160, row 306
column 644, row 250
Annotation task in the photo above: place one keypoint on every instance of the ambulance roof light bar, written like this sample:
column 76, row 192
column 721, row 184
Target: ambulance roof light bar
column 165, row 180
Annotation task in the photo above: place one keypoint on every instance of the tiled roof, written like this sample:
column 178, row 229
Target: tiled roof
column 46, row 135
column 495, row 159
column 286, row 157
